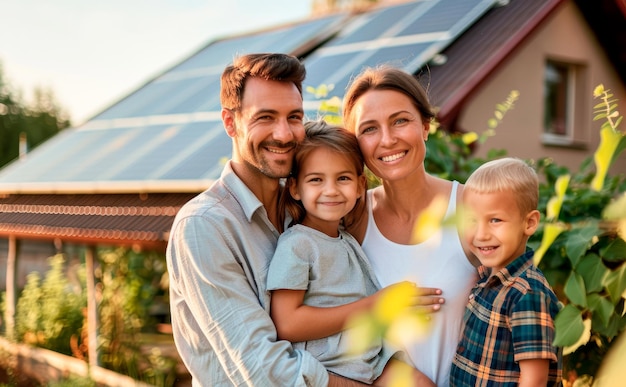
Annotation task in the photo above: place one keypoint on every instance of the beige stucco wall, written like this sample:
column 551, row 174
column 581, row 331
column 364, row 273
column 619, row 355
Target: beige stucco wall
column 565, row 36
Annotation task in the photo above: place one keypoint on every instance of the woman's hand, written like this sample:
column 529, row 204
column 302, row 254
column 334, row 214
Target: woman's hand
column 424, row 300
column 428, row 300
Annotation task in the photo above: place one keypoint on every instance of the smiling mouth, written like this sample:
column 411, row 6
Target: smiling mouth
column 280, row 151
column 393, row 157
column 279, row 148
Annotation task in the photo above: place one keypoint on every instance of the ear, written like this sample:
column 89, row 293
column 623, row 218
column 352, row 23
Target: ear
column 228, row 119
column 293, row 188
column 532, row 222
column 362, row 186
column 426, row 130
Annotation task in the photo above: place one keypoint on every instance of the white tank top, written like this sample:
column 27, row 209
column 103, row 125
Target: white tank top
column 438, row 262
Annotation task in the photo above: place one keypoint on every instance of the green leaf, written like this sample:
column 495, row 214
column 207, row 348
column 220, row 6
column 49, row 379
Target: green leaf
column 615, row 283
column 580, row 240
column 592, row 271
column 568, row 325
column 602, row 306
column 575, row 289
column 615, row 251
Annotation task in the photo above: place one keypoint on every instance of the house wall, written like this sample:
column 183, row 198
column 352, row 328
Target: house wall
column 33, row 256
column 566, row 36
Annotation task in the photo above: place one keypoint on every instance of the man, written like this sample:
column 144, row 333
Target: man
column 222, row 241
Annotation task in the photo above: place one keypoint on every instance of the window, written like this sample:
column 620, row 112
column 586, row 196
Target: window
column 562, row 94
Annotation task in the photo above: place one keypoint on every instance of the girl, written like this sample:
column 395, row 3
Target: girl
column 319, row 275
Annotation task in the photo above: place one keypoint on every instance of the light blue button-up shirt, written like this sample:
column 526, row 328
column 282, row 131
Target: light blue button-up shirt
column 218, row 254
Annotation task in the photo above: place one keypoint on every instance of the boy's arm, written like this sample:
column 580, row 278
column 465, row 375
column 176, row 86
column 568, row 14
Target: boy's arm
column 534, row 372
column 297, row 322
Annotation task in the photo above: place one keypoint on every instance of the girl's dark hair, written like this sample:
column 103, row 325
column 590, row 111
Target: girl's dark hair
column 319, row 134
column 386, row 77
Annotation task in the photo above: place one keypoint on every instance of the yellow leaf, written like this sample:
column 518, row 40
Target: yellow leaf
column 408, row 327
column 469, row 138
column 609, row 139
column 362, row 332
column 550, row 232
column 553, row 208
column 393, row 302
column 430, row 220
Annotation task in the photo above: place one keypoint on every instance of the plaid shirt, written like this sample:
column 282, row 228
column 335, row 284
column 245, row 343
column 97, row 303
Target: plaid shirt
column 509, row 317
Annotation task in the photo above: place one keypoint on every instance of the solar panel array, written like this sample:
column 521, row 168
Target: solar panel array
column 170, row 129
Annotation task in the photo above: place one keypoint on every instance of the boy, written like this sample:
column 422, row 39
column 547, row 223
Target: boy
column 509, row 320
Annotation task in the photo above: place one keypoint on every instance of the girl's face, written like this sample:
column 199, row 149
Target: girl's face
column 328, row 187
column 391, row 133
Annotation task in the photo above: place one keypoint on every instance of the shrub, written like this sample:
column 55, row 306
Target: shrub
column 49, row 313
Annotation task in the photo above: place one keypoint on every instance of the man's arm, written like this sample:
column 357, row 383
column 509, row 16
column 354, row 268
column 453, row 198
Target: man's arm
column 225, row 317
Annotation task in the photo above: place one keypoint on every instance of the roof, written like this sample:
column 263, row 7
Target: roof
column 116, row 219
column 480, row 50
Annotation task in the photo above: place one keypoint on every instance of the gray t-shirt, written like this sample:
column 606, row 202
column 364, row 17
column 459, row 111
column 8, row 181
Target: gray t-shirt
column 334, row 272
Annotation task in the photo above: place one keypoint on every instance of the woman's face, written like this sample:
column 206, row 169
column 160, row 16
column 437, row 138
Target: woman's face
column 391, row 133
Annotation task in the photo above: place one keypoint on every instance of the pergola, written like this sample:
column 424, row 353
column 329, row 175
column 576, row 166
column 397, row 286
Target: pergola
column 142, row 221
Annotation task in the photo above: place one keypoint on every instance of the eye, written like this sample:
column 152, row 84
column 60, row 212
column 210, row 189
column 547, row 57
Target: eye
column 344, row 178
column 314, row 180
column 367, row 129
column 299, row 117
column 495, row 220
column 400, row 121
column 265, row 117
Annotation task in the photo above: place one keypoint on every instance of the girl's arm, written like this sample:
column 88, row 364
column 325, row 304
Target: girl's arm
column 534, row 372
column 298, row 322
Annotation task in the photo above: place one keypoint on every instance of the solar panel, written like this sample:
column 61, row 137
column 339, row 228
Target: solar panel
column 405, row 35
column 193, row 85
column 170, row 129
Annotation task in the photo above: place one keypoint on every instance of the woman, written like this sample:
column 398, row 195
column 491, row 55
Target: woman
column 390, row 114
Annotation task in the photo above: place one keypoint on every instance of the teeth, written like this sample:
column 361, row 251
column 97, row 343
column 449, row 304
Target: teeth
column 393, row 157
column 279, row 151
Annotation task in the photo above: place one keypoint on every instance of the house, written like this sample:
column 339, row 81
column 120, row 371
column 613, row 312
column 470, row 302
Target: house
column 120, row 178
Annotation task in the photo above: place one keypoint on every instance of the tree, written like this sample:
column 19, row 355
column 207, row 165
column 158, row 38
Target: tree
column 37, row 122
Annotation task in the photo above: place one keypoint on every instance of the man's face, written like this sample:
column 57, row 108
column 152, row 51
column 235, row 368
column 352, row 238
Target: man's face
column 267, row 128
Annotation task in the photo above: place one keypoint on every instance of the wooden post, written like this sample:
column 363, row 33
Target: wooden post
column 92, row 306
column 11, row 301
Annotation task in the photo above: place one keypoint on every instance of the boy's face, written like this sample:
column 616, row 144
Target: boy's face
column 495, row 229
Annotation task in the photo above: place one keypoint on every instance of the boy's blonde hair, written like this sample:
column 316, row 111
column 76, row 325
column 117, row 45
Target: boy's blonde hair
column 507, row 174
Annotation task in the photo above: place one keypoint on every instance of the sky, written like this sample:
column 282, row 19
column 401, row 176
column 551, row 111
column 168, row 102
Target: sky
column 92, row 53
